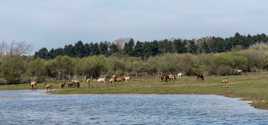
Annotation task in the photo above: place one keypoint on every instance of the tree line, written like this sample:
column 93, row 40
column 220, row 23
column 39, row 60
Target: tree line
column 19, row 69
column 153, row 48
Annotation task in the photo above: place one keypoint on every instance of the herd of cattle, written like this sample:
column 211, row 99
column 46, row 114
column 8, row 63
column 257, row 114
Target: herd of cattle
column 169, row 77
column 164, row 77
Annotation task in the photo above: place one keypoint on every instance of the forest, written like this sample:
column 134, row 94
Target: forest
column 147, row 49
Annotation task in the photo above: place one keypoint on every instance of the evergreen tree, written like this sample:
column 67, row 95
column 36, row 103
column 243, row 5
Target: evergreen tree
column 42, row 53
column 113, row 49
column 129, row 46
column 139, row 49
column 192, row 47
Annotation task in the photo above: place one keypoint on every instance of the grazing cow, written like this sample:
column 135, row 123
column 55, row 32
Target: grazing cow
column 118, row 79
column 112, row 80
column 74, row 84
column 33, row 84
column 179, row 75
column 101, row 80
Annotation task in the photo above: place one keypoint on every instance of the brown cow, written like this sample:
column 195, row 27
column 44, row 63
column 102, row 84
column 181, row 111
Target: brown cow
column 200, row 76
column 48, row 87
column 118, row 79
column 226, row 83
column 164, row 77
column 62, row 85
column 33, row 84
column 73, row 84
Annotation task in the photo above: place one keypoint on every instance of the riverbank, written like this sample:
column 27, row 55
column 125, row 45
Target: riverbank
column 252, row 87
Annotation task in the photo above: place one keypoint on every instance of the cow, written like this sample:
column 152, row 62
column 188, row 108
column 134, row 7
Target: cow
column 48, row 87
column 226, row 82
column 33, row 85
column 127, row 78
column 200, row 76
column 179, row 75
column 73, row 84
column 171, row 77
column 62, row 85
column 238, row 71
column 164, row 78
column 119, row 79
column 101, row 80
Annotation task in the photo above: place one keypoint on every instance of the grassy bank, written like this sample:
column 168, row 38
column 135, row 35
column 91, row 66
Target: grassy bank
column 251, row 87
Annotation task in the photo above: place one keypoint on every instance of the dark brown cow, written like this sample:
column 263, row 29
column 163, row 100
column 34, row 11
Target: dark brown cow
column 164, row 78
column 73, row 84
column 62, row 85
column 200, row 76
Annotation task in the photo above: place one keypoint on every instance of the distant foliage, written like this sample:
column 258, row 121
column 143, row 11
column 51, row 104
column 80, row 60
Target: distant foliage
column 16, row 69
column 209, row 56
column 147, row 49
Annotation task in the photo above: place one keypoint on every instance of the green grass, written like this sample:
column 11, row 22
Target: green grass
column 253, row 87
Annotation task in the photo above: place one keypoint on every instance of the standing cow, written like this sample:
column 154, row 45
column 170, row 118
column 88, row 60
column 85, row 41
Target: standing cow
column 179, row 75
column 33, row 85
column 164, row 77
column 200, row 76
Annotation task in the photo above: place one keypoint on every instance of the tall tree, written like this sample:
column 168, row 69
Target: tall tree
column 42, row 53
column 139, row 49
column 192, row 47
column 129, row 46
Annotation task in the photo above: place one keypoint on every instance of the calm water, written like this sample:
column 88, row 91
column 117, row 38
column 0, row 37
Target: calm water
column 38, row 108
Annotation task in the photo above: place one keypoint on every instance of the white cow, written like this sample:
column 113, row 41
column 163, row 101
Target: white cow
column 238, row 71
column 127, row 78
column 101, row 80
column 179, row 75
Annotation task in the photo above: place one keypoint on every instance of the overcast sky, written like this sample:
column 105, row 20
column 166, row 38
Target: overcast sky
column 53, row 23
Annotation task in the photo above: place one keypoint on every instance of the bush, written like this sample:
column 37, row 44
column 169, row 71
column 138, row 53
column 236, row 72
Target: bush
column 13, row 68
column 61, row 67
column 233, row 60
column 221, row 70
column 91, row 67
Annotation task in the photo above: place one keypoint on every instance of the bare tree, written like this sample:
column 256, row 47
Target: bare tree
column 14, row 48
column 3, row 48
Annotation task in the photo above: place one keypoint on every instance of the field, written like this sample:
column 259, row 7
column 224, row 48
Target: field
column 252, row 87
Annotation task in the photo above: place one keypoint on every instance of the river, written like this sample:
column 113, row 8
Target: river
column 38, row 108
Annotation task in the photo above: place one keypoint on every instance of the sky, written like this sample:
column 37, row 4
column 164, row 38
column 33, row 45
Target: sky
column 54, row 23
